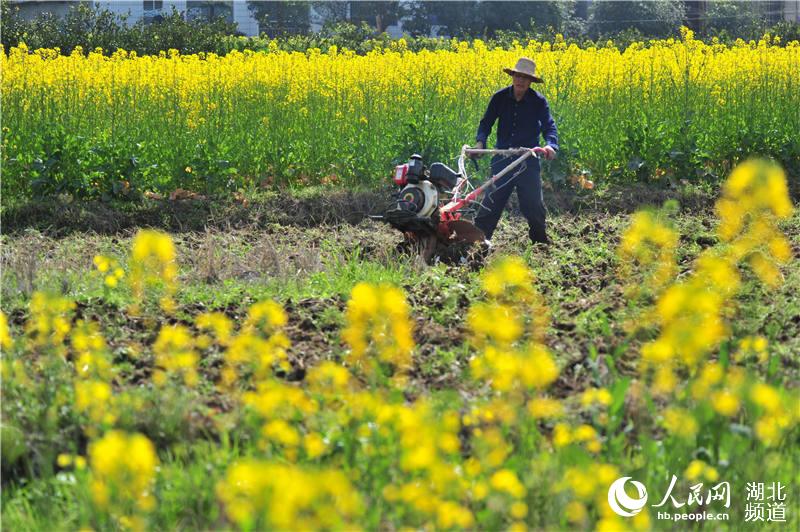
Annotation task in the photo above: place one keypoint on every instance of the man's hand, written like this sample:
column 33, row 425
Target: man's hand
column 478, row 146
column 545, row 153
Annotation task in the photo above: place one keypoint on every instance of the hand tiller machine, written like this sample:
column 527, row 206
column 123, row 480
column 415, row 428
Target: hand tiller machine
column 433, row 202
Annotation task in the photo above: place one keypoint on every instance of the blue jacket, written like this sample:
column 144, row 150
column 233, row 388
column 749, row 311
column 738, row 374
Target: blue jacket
column 521, row 123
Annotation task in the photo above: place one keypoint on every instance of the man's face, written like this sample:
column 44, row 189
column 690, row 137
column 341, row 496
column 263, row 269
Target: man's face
column 521, row 82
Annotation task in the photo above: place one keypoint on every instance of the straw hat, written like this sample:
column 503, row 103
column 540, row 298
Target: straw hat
column 526, row 67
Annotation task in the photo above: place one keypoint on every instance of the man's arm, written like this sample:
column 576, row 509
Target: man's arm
column 487, row 122
column 549, row 129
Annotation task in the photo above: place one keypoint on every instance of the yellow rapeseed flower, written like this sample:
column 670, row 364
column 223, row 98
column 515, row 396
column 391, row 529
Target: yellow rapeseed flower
column 725, row 402
column 766, row 397
column 123, row 468
column 545, row 408
column 507, row 481
column 5, row 335
column 680, row 422
column 378, row 322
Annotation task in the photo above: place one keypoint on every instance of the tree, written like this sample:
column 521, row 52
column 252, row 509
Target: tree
column 331, row 13
column 281, row 17
column 457, row 19
column 658, row 18
column 379, row 14
column 695, row 14
column 418, row 18
column 209, row 10
column 737, row 19
column 460, row 18
column 485, row 18
column 582, row 9
column 522, row 15
column 14, row 26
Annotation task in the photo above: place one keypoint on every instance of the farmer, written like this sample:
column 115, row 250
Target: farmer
column 524, row 115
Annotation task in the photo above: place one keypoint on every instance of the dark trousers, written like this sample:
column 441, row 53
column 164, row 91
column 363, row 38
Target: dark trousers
column 528, row 184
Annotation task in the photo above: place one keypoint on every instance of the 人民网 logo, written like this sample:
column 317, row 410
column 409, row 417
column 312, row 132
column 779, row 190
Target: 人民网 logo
column 621, row 502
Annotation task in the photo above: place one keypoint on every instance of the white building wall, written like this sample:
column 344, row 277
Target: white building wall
column 132, row 8
column 135, row 11
column 179, row 5
column 30, row 10
column 244, row 18
column 791, row 10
